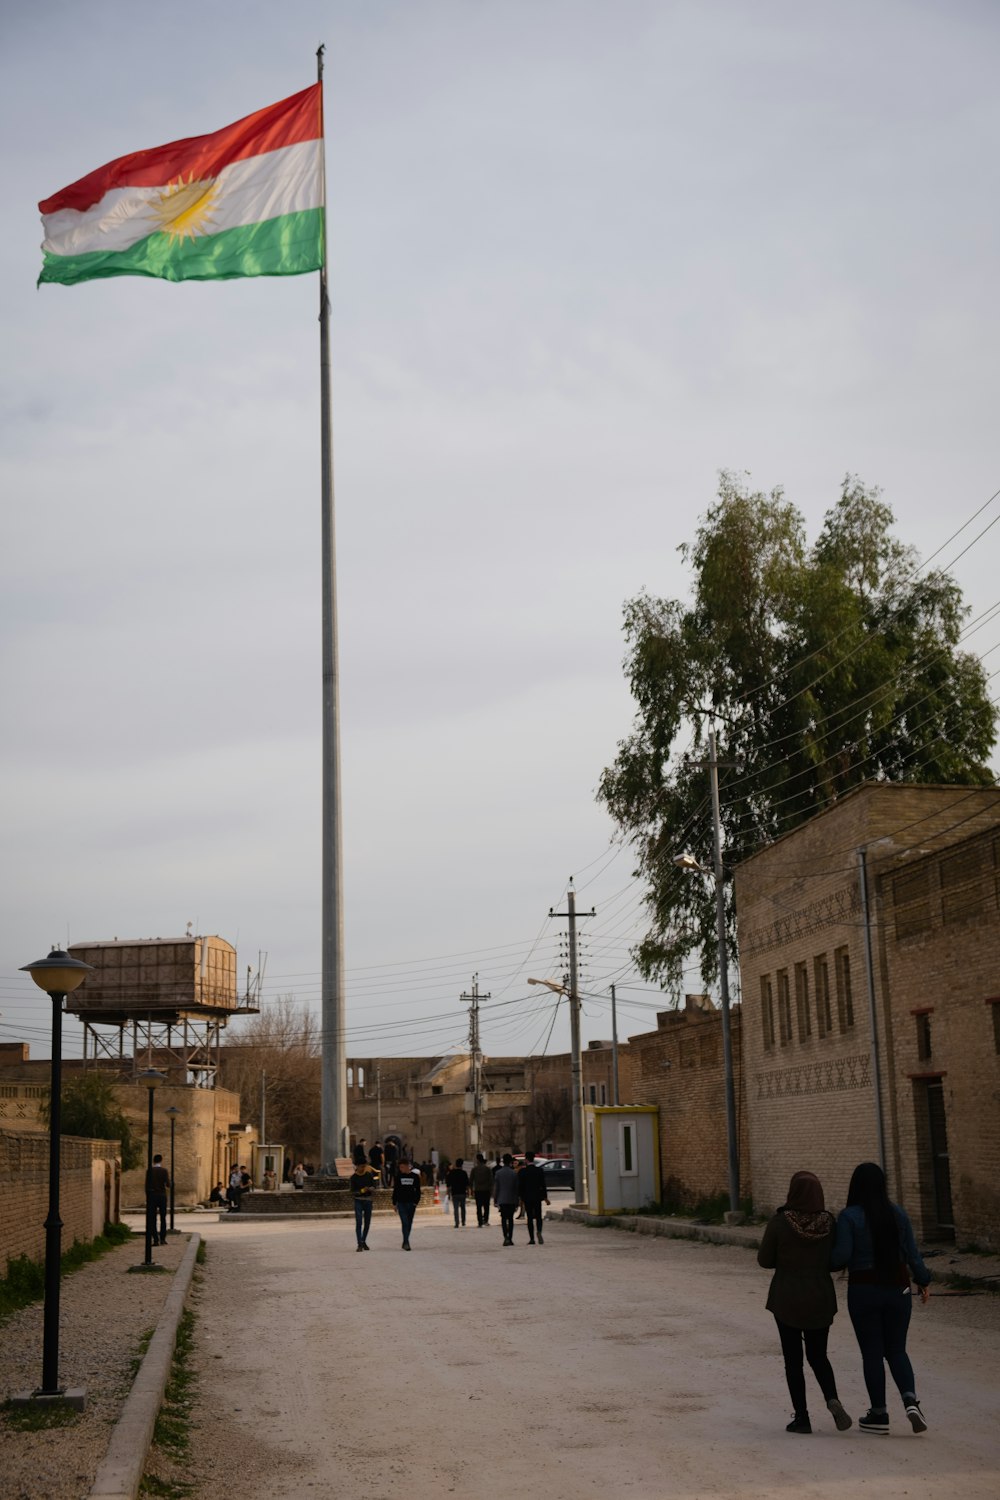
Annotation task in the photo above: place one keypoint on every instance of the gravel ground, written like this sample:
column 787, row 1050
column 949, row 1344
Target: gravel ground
column 104, row 1314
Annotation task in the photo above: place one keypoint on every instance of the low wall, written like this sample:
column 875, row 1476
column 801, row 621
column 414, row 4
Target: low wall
column 89, row 1191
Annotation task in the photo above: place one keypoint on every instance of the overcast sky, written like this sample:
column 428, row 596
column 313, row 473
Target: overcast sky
column 583, row 255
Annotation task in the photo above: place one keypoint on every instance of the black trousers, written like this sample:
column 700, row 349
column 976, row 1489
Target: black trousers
column 458, row 1208
column 483, row 1201
column 507, row 1212
column 534, row 1213
column 814, row 1339
column 156, row 1213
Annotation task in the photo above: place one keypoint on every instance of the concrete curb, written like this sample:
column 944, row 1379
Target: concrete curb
column 746, row 1235
column 120, row 1473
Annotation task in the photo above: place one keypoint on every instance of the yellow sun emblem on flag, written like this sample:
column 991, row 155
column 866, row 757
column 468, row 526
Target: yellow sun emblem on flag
column 184, row 209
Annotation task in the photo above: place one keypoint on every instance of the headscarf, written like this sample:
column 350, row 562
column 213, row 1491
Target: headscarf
column 804, row 1207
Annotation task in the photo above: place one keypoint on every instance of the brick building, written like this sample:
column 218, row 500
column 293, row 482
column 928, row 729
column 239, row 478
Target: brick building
column 427, row 1101
column 905, row 876
column 679, row 1068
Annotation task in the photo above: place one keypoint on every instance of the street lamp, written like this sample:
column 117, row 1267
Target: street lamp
column 688, row 862
column 576, row 1078
column 57, row 975
column 150, row 1077
column 172, row 1114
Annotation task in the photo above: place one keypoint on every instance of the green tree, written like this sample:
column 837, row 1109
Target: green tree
column 90, row 1108
column 821, row 667
column 280, row 1049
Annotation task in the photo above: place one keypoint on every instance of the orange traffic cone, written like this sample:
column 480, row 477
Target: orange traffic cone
column 437, row 1195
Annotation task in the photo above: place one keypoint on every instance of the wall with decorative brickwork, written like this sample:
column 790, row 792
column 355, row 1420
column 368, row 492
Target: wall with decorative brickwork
column 810, row 1063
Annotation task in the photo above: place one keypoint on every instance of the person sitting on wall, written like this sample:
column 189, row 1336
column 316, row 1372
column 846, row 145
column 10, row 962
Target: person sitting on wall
column 218, row 1194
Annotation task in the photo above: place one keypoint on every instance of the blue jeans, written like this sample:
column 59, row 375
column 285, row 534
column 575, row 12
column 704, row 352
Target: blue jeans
column 406, row 1212
column 881, row 1317
column 362, row 1218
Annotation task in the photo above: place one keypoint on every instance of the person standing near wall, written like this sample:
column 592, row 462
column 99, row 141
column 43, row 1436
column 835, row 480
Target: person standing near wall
column 406, row 1196
column 796, row 1245
column 157, row 1187
column 875, row 1242
column 505, row 1197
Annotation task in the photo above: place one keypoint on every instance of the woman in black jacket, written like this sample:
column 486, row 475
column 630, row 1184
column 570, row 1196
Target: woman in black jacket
column 796, row 1246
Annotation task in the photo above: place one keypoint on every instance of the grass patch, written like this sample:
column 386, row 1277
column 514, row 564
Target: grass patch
column 172, row 1432
column 25, row 1279
column 705, row 1211
column 201, row 1254
column 38, row 1418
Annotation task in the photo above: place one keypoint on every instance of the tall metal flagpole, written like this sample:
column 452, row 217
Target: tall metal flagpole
column 333, row 1103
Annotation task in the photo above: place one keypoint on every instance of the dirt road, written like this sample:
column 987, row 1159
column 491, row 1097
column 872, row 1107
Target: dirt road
column 599, row 1363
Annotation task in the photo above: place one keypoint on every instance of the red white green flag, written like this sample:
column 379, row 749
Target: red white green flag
column 244, row 201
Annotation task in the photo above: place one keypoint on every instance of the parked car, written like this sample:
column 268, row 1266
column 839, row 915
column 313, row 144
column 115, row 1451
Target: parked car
column 559, row 1173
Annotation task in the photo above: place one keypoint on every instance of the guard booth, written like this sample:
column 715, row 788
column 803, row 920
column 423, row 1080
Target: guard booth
column 267, row 1159
column 623, row 1156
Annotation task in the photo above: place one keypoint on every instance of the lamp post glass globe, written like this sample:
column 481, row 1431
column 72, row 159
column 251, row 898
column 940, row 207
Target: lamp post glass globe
column 59, row 973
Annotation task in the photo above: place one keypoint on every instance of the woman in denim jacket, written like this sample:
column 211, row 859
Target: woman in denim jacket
column 875, row 1242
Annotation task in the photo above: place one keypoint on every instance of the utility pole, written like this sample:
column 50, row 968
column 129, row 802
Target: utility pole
column 476, row 1059
column 576, row 1062
column 720, row 923
column 615, row 1094
column 378, row 1101
column 263, row 1107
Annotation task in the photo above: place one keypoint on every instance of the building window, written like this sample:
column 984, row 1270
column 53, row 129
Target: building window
column 821, row 982
column 350, row 1078
column 767, row 1011
column 995, row 1008
column 604, row 1093
column 802, row 1002
column 784, row 1008
column 911, row 902
column 593, row 1093
column 437, row 1088
column 629, row 1166
column 845, row 1001
column 923, row 1036
column 961, row 885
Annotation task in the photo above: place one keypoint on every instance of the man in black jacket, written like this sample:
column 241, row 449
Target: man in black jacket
column 157, row 1187
column 406, row 1196
column 533, row 1192
column 457, row 1182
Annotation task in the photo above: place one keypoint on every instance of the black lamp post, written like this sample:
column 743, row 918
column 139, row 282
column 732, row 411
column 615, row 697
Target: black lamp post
column 150, row 1077
column 57, row 975
column 172, row 1114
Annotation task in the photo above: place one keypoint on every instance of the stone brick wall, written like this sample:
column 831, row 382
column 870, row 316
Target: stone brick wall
column 940, row 924
column 679, row 1068
column 88, row 1194
column 807, row 1031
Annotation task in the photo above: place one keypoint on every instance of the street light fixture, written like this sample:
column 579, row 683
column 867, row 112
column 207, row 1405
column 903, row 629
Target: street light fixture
column 151, row 1077
column 172, row 1114
column 57, row 975
column 688, row 862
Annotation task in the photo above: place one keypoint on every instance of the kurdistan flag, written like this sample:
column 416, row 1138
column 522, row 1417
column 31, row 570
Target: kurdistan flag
column 244, row 201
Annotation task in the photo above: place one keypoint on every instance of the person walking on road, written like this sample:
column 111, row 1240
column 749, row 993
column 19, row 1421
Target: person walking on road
column 406, row 1196
column 505, row 1197
column 389, row 1163
column 482, row 1188
column 796, row 1245
column 362, row 1185
column 457, row 1183
column 875, row 1242
column 157, row 1187
column 533, row 1191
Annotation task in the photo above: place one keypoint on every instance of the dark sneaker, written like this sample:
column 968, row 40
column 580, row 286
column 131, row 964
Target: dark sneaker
column 917, row 1419
column 799, row 1424
column 360, row 1248
column 838, row 1414
column 875, row 1421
